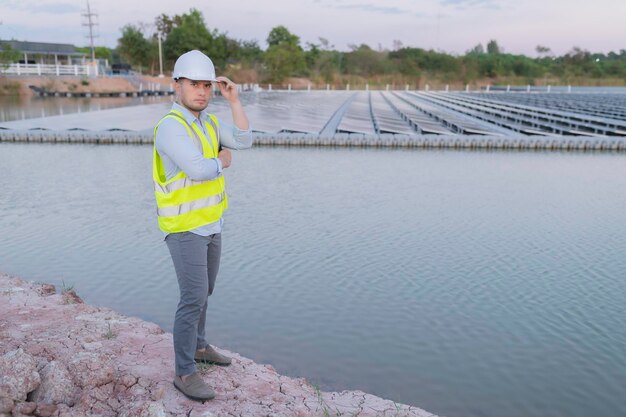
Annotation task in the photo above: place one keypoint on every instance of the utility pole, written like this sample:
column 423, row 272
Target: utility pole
column 91, row 22
column 160, row 56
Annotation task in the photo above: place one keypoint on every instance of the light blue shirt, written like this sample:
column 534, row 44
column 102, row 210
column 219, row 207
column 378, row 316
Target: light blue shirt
column 179, row 153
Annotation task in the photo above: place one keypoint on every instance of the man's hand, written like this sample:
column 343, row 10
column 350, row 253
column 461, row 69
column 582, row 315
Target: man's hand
column 226, row 157
column 228, row 89
column 230, row 93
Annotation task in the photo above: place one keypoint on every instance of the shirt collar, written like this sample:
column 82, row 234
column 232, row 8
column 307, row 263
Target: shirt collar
column 189, row 117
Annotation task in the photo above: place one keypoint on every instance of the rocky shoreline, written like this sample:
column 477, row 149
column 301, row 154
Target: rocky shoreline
column 60, row 357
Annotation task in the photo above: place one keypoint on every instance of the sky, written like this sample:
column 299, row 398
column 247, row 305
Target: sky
column 452, row 26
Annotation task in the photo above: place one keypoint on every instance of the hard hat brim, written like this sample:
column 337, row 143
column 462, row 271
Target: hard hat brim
column 194, row 79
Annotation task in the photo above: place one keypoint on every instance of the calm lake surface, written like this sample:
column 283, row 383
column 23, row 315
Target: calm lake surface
column 469, row 284
column 26, row 107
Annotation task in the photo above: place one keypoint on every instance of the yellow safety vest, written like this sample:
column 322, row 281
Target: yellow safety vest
column 184, row 204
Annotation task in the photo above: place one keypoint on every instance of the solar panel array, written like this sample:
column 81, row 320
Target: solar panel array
column 441, row 113
column 372, row 118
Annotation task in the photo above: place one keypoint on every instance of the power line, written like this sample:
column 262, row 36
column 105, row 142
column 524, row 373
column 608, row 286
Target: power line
column 90, row 21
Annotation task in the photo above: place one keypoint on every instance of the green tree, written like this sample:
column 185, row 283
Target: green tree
column 188, row 32
column 8, row 55
column 329, row 64
column 410, row 61
column 322, row 62
column 490, row 65
column 543, row 50
column 284, row 57
column 493, row 47
column 248, row 52
column 282, row 62
column 165, row 24
column 365, row 61
column 311, row 55
column 133, row 47
column 101, row 52
column 280, row 35
column 191, row 33
column 477, row 50
column 578, row 62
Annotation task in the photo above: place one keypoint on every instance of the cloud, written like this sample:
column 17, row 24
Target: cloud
column 58, row 8
column 420, row 23
column 462, row 4
column 366, row 7
column 37, row 7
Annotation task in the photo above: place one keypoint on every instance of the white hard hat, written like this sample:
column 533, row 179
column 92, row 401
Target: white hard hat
column 194, row 65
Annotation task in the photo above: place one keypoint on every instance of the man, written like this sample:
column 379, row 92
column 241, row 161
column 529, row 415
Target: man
column 189, row 189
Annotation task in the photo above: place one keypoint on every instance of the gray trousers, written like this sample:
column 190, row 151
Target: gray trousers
column 196, row 261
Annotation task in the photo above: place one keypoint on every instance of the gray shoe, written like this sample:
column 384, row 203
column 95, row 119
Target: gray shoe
column 194, row 387
column 210, row 355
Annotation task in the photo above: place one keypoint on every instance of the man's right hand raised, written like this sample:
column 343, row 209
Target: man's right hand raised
column 226, row 157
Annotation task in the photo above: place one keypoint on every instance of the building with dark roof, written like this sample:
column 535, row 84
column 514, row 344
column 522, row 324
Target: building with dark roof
column 46, row 53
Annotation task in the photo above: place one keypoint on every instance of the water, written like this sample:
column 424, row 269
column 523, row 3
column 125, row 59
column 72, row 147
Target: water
column 26, row 107
column 470, row 284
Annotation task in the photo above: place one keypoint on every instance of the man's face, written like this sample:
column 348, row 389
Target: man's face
column 194, row 94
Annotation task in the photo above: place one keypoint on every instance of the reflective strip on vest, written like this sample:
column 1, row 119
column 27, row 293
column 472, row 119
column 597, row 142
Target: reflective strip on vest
column 175, row 185
column 184, row 204
column 190, row 206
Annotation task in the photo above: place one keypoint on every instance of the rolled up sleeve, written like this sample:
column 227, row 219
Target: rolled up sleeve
column 232, row 137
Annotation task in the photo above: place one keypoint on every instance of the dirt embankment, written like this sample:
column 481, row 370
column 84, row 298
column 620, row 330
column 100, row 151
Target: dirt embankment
column 65, row 84
column 63, row 358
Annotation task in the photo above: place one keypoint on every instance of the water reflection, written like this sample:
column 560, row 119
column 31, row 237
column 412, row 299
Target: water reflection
column 27, row 107
column 470, row 284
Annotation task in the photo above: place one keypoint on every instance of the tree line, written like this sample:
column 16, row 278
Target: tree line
column 285, row 58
